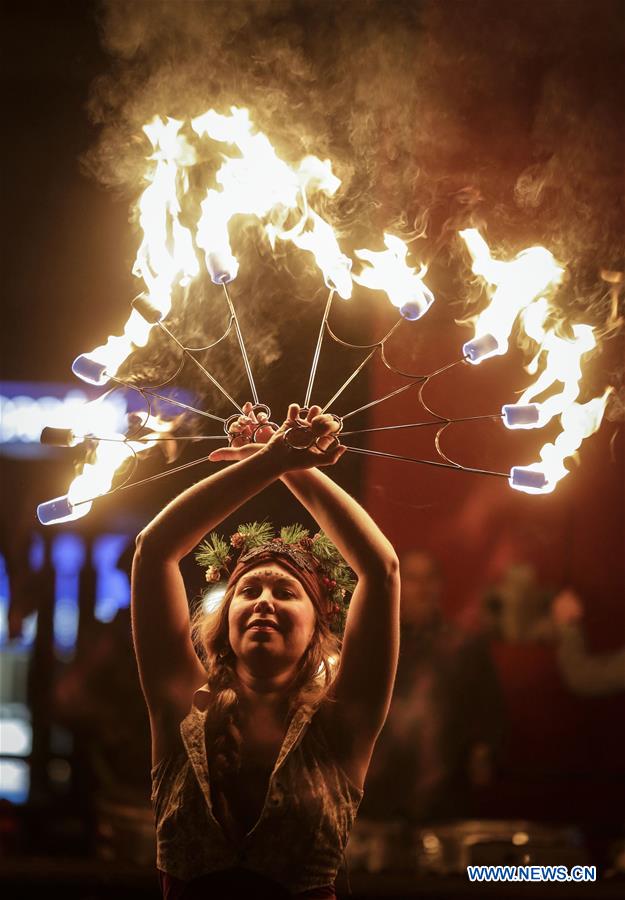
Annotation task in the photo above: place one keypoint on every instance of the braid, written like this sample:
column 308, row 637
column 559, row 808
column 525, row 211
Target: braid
column 223, row 735
column 222, row 720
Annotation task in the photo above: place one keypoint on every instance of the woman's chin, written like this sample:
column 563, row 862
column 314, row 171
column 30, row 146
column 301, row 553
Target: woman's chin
column 259, row 646
column 266, row 658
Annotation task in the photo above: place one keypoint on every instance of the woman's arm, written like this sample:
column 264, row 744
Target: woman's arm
column 358, row 538
column 364, row 683
column 168, row 665
column 169, row 668
column 182, row 524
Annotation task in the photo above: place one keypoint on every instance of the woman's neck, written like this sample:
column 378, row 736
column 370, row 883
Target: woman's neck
column 269, row 694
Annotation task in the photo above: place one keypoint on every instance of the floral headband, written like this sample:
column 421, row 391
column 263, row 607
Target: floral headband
column 315, row 556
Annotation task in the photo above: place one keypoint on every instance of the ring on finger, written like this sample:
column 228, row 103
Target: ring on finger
column 273, row 425
column 298, row 429
column 263, row 409
column 334, row 442
column 230, row 422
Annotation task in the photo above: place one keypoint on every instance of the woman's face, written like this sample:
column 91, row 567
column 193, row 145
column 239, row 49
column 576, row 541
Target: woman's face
column 271, row 619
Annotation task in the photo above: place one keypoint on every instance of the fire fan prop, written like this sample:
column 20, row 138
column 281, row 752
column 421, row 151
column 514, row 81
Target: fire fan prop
column 254, row 181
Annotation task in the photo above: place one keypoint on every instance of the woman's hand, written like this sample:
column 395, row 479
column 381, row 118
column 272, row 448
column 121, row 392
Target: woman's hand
column 242, row 430
column 289, row 444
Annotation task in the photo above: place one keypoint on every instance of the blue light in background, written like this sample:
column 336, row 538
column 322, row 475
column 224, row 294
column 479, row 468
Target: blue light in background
column 29, row 625
column 4, row 600
column 112, row 585
column 14, row 780
column 68, row 557
column 36, row 553
column 27, row 407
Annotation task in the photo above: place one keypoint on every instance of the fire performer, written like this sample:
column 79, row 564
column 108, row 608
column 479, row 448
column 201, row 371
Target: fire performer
column 260, row 751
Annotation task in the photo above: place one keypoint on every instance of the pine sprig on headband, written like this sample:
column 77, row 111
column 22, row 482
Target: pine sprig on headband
column 293, row 534
column 217, row 555
column 214, row 554
column 324, row 548
column 254, row 534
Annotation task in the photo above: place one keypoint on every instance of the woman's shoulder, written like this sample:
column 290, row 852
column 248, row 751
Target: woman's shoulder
column 168, row 720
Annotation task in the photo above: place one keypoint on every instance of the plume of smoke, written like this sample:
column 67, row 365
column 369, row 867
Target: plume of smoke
column 436, row 115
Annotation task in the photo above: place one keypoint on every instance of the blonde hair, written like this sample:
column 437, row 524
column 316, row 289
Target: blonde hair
column 316, row 672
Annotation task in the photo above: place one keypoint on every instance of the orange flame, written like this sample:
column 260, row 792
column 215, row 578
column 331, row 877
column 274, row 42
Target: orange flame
column 98, row 474
column 320, row 240
column 562, row 358
column 166, row 256
column 579, row 421
column 516, row 283
column 388, row 271
column 260, row 184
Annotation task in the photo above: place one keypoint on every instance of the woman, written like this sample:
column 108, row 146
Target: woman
column 256, row 781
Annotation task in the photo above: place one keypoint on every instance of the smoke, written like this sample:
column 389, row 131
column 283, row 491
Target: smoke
column 436, row 116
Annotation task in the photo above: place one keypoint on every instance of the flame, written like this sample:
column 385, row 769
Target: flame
column 388, row 271
column 320, row 240
column 260, row 184
column 97, row 475
column 562, row 359
column 162, row 258
column 102, row 415
column 254, row 182
column 166, row 256
column 516, row 283
column 579, row 421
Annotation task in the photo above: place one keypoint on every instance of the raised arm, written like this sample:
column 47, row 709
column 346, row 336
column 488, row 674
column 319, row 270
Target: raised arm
column 364, row 682
column 168, row 665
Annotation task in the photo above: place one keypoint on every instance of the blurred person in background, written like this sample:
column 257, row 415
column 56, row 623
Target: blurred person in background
column 438, row 747
column 588, row 675
column 517, row 609
column 584, row 673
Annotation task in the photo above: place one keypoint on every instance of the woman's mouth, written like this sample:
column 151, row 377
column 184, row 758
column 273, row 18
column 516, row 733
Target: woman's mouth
column 263, row 625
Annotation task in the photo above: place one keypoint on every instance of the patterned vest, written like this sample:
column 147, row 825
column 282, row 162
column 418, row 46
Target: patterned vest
column 304, row 824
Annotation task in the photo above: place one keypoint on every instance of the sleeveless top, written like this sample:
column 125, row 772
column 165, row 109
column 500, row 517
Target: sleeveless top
column 301, row 834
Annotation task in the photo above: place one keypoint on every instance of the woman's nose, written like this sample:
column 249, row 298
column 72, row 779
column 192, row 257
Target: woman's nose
column 265, row 600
